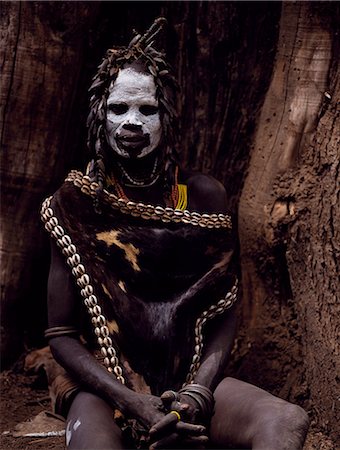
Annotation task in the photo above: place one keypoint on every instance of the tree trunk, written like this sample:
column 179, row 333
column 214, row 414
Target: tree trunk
column 42, row 55
column 223, row 53
column 289, row 221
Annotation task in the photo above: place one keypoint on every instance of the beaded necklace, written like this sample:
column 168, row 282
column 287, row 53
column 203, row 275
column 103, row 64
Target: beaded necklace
column 141, row 182
column 171, row 201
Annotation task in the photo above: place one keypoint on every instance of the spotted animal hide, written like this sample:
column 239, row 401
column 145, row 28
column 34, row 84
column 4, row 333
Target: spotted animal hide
column 152, row 280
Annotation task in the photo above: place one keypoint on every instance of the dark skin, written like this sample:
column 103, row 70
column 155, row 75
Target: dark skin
column 247, row 405
column 63, row 309
column 244, row 416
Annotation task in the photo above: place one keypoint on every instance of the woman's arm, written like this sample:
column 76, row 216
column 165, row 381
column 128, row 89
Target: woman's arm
column 64, row 311
column 207, row 195
column 217, row 350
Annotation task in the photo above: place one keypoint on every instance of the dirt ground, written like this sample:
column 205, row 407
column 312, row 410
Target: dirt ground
column 23, row 396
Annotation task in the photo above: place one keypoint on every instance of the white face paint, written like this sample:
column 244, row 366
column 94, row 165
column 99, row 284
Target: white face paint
column 133, row 125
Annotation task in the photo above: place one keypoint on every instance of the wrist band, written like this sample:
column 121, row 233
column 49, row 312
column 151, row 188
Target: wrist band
column 202, row 396
column 60, row 331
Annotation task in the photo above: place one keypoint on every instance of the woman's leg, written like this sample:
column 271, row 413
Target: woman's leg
column 249, row 417
column 90, row 425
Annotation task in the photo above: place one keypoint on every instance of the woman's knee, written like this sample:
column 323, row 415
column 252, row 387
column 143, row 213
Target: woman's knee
column 249, row 416
column 284, row 425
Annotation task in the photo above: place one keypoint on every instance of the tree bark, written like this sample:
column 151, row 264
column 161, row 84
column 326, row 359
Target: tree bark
column 289, row 221
column 42, row 54
column 223, row 53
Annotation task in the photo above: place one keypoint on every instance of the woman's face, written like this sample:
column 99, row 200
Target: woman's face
column 133, row 125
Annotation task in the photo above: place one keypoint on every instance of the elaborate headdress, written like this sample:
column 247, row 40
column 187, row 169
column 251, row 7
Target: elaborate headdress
column 139, row 49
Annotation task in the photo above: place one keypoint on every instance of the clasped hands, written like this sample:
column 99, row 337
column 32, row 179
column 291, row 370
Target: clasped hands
column 179, row 425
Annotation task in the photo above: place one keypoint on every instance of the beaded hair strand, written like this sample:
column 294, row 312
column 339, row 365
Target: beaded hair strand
column 140, row 49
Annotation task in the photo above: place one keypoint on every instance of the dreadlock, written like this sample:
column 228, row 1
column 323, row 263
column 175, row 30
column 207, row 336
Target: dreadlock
column 140, row 48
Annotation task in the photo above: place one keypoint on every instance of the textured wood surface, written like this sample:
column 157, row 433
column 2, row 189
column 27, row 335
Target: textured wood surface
column 41, row 62
column 223, row 53
column 289, row 220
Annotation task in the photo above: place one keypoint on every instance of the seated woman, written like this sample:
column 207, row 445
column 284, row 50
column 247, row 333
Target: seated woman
column 142, row 285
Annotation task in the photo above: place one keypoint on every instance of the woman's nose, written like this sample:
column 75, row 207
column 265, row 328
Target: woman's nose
column 133, row 119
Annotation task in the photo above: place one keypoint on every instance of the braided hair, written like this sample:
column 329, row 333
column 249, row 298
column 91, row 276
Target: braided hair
column 140, row 50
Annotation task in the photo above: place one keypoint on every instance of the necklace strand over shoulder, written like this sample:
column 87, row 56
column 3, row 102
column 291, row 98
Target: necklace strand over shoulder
column 87, row 290
column 147, row 211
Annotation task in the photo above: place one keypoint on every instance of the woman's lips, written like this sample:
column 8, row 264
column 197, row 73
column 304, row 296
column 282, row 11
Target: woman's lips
column 133, row 140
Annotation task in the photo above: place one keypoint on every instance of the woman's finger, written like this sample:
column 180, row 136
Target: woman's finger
column 166, row 442
column 196, row 439
column 195, row 442
column 190, row 428
column 165, row 423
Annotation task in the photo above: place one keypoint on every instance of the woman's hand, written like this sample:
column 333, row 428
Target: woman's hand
column 146, row 409
column 178, row 426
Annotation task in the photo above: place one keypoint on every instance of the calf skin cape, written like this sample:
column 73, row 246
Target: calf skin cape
column 152, row 281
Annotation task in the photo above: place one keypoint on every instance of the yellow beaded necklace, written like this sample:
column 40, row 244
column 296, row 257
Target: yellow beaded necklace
column 178, row 198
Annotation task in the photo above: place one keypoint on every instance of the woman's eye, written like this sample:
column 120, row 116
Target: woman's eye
column 118, row 108
column 148, row 110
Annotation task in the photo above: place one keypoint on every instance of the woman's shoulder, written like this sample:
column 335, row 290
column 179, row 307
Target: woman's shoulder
column 205, row 193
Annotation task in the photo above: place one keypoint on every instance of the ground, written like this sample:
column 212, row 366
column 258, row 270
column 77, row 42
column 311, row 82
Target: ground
column 23, row 396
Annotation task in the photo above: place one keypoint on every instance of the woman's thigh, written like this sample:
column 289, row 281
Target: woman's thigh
column 90, row 425
column 249, row 417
